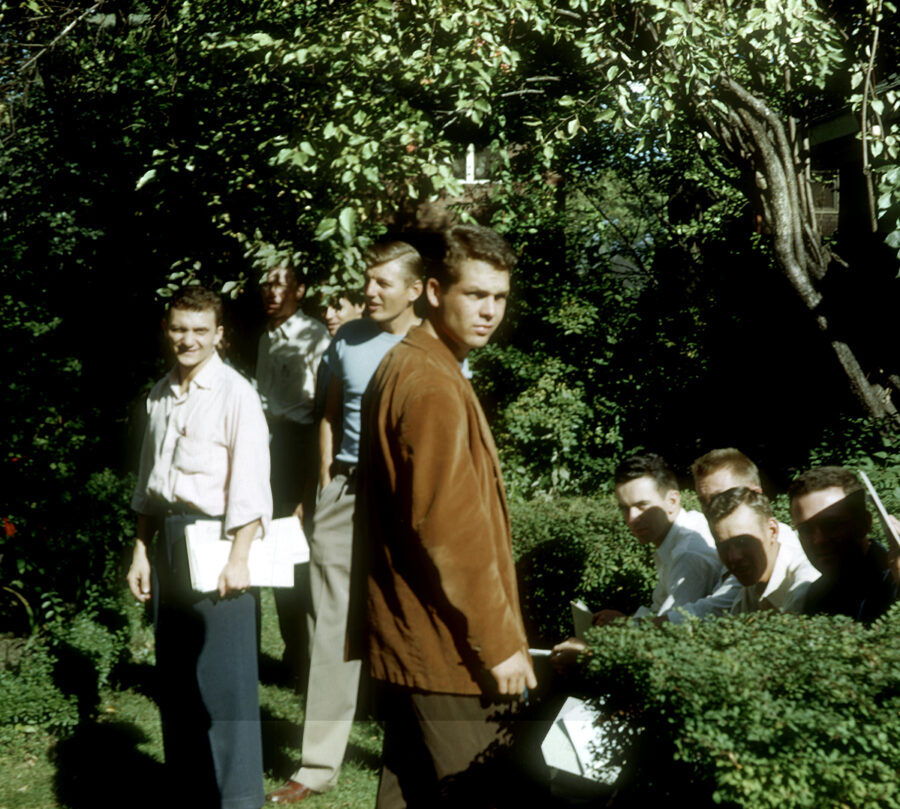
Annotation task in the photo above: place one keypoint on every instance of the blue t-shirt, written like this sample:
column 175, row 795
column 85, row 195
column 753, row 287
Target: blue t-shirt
column 353, row 356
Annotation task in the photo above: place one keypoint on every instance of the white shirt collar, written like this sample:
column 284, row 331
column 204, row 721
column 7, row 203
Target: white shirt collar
column 206, row 377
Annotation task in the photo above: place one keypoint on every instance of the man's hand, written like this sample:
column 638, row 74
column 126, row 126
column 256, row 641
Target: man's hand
column 607, row 617
column 513, row 674
column 566, row 654
column 139, row 573
column 234, row 578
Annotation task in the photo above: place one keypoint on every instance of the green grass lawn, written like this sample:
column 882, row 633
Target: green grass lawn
column 115, row 759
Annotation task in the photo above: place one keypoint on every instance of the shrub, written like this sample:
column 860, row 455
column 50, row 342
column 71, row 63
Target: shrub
column 99, row 635
column 29, row 696
column 61, row 554
column 762, row 711
column 54, row 679
column 576, row 548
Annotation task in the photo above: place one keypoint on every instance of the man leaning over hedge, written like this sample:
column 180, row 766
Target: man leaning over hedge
column 728, row 468
column 686, row 561
column 689, row 569
column 773, row 575
column 859, row 577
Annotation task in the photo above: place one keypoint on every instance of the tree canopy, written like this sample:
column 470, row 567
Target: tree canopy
column 650, row 161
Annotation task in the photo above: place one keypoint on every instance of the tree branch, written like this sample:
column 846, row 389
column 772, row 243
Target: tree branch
column 22, row 68
column 782, row 212
column 785, row 152
column 868, row 91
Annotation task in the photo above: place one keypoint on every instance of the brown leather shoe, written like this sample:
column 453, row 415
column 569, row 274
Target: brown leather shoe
column 290, row 792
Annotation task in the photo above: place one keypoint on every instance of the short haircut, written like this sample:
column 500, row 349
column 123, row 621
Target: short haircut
column 726, row 458
column 356, row 296
column 403, row 252
column 824, row 477
column 472, row 242
column 726, row 502
column 197, row 299
column 646, row 464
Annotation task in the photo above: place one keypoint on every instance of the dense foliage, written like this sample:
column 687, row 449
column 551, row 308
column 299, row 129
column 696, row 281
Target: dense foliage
column 576, row 549
column 761, row 711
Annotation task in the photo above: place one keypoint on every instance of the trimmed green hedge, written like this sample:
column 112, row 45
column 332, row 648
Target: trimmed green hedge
column 576, row 548
column 767, row 711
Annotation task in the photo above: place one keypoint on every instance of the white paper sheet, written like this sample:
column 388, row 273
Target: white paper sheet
column 271, row 561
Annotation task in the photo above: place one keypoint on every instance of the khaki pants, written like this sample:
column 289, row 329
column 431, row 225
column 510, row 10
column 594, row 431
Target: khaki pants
column 333, row 682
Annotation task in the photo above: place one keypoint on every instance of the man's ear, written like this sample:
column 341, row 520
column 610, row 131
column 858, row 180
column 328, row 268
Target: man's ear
column 673, row 499
column 415, row 289
column 301, row 291
column 772, row 526
column 433, row 292
column 220, row 333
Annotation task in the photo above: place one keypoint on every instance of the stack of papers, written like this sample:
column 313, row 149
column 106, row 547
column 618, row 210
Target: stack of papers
column 272, row 558
column 585, row 742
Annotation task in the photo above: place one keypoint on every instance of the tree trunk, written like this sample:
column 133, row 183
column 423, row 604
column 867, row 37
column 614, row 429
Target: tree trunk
column 756, row 140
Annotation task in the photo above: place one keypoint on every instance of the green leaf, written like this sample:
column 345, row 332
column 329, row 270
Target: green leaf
column 325, row 229
column 144, row 179
column 347, row 219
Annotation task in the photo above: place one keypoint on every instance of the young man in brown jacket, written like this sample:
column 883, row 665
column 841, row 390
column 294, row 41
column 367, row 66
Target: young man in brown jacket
column 445, row 639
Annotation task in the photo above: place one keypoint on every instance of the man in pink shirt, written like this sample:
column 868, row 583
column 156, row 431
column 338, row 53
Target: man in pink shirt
column 204, row 455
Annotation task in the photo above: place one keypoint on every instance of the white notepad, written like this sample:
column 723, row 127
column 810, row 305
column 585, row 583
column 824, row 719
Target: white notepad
column 272, row 558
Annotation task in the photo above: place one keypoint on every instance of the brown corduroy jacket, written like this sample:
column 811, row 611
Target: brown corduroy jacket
column 433, row 527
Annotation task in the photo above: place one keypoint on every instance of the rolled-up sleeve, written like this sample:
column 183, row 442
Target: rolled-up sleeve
column 248, row 492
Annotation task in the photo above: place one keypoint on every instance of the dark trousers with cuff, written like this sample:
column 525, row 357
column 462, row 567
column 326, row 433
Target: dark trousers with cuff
column 445, row 750
column 206, row 661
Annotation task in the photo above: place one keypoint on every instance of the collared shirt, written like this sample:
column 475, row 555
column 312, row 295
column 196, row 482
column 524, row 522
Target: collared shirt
column 722, row 599
column 689, row 570
column 286, row 365
column 789, row 583
column 206, row 449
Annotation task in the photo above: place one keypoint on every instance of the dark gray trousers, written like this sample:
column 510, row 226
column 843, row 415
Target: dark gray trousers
column 445, row 750
column 208, row 684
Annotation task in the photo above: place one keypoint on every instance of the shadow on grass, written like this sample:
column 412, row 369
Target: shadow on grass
column 100, row 766
column 272, row 671
column 138, row 677
column 281, row 744
column 363, row 756
column 282, row 740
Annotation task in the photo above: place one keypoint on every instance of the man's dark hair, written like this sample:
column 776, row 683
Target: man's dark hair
column 403, row 252
column 824, row 477
column 197, row 299
column 354, row 295
column 472, row 242
column 646, row 464
column 726, row 458
column 726, row 502
column 298, row 273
